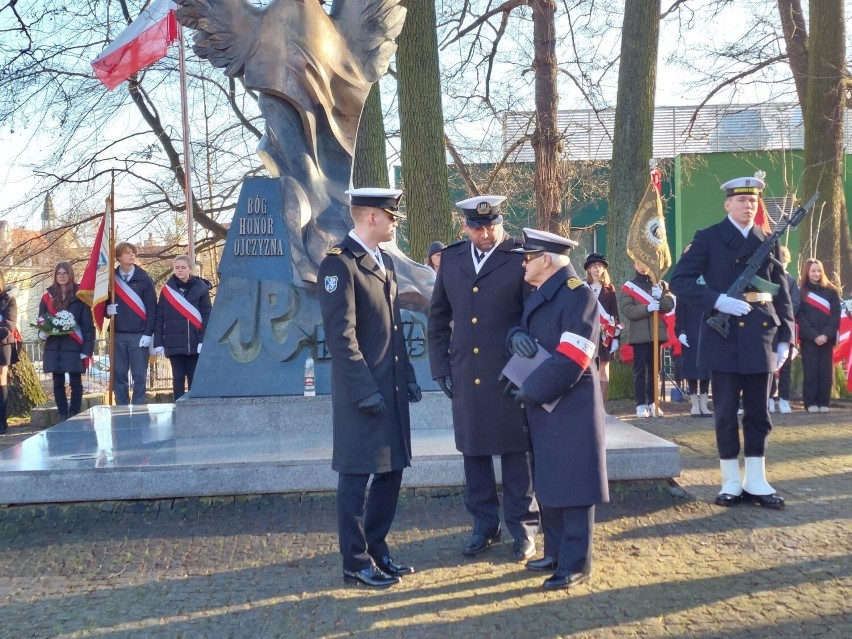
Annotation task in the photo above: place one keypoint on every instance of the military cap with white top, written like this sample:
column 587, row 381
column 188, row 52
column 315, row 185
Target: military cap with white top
column 743, row 186
column 536, row 241
column 482, row 210
column 386, row 199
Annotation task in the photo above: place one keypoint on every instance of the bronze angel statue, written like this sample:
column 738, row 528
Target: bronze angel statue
column 313, row 71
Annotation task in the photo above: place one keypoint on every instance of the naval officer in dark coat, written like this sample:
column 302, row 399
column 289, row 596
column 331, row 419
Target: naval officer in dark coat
column 562, row 316
column 372, row 382
column 742, row 363
column 478, row 296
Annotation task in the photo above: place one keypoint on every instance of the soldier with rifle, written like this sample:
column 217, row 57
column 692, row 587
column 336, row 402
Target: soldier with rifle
column 746, row 300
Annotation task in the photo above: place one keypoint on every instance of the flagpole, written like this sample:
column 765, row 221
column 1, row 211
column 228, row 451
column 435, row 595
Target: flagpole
column 656, row 363
column 186, row 159
column 111, row 286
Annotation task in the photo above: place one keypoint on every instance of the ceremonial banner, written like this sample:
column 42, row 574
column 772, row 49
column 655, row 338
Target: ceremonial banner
column 94, row 285
column 646, row 240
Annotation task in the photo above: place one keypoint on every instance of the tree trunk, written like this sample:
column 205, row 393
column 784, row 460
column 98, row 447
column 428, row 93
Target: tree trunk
column 25, row 391
column 547, row 141
column 634, row 126
column 823, row 119
column 370, row 165
column 421, row 118
column 796, row 39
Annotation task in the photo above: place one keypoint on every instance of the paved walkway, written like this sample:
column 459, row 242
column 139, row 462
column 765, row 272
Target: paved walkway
column 668, row 563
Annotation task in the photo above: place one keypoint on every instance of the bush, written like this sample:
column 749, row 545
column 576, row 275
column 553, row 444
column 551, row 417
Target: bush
column 620, row 380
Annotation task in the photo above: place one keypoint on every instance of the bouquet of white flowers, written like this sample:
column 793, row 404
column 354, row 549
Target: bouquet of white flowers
column 63, row 323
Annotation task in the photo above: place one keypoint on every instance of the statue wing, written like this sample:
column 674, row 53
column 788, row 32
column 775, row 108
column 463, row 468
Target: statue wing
column 369, row 26
column 223, row 31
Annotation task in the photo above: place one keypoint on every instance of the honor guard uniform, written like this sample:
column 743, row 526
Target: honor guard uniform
column 478, row 296
column 561, row 317
column 372, row 382
column 741, row 363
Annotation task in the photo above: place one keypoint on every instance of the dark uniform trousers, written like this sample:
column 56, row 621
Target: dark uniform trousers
column 817, row 371
column 573, row 529
column 480, row 494
column 365, row 517
column 754, row 390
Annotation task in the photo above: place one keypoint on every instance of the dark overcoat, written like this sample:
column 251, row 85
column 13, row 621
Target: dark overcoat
column 363, row 332
column 173, row 331
column 720, row 253
column 688, row 321
column 568, row 444
column 469, row 317
column 813, row 322
column 62, row 352
column 608, row 300
column 8, row 317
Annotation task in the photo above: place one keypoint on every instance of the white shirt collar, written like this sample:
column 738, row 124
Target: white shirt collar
column 126, row 276
column 745, row 231
column 376, row 255
column 478, row 264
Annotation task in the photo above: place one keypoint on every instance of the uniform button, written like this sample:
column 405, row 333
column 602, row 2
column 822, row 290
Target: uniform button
column 476, row 381
column 741, row 324
column 395, row 358
column 763, row 304
column 395, row 327
column 473, row 320
column 396, row 388
column 765, row 324
column 476, row 351
column 476, row 289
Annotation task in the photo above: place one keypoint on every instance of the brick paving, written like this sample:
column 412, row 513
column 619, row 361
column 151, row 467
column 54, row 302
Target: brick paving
column 667, row 562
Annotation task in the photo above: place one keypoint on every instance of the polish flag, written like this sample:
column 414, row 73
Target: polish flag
column 94, row 285
column 141, row 44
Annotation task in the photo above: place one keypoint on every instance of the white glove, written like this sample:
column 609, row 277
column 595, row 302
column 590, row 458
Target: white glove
column 199, row 348
column 112, row 309
column 653, row 306
column 781, row 353
column 613, row 347
column 731, row 305
column 682, row 339
column 656, row 292
column 145, row 341
column 42, row 335
column 794, row 352
column 159, row 350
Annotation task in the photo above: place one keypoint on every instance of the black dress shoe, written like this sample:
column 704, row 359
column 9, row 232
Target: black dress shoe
column 479, row 543
column 724, row 499
column 564, row 579
column 767, row 501
column 523, row 549
column 388, row 566
column 545, row 564
column 371, row 576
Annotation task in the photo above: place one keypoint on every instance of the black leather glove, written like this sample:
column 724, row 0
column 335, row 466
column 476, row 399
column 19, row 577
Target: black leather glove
column 446, row 384
column 414, row 393
column 522, row 344
column 372, row 405
column 522, row 398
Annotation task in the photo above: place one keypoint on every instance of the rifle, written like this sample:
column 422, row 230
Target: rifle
column 720, row 322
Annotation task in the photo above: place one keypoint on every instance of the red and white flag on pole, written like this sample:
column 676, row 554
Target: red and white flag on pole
column 94, row 285
column 141, row 44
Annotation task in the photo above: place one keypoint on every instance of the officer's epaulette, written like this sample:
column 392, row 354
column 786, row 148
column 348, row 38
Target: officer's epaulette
column 456, row 243
column 335, row 250
column 574, row 282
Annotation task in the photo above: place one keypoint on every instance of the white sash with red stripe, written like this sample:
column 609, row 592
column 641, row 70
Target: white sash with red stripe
column 577, row 348
column 183, row 307
column 130, row 298
column 637, row 293
column 76, row 334
column 818, row 302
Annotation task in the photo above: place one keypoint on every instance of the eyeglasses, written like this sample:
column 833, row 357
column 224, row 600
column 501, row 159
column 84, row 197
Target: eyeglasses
column 529, row 257
column 61, row 273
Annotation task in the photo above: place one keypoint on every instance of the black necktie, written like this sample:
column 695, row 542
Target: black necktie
column 479, row 257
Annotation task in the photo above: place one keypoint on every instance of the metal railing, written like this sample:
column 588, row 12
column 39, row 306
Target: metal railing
column 96, row 379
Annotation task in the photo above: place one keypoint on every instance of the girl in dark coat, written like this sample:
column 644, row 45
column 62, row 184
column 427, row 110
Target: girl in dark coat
column 819, row 319
column 182, row 314
column 67, row 353
column 8, row 331
column 597, row 277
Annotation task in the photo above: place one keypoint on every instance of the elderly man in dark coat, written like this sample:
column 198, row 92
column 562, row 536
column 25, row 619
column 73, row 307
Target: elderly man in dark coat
column 761, row 327
column 478, row 296
column 372, row 382
column 562, row 317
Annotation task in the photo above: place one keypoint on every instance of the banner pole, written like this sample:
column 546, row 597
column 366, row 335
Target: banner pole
column 111, row 286
column 184, row 116
column 656, row 363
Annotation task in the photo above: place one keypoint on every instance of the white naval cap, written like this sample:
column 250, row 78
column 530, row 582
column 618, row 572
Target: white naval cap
column 536, row 241
column 387, row 199
column 482, row 210
column 743, row 186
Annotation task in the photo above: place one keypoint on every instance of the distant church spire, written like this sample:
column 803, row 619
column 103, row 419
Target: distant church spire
column 48, row 213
